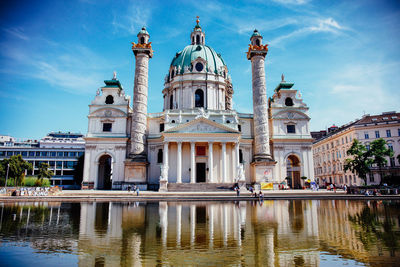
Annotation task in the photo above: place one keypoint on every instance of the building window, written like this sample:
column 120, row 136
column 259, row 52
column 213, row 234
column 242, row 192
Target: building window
column 107, row 127
column 171, row 102
column 346, row 139
column 371, row 177
column 366, row 135
column 31, row 153
column 142, row 40
column 240, row 156
column 345, row 179
column 60, row 154
column 398, row 132
column 291, row 129
column 52, row 154
column 390, row 146
column 24, row 153
column 197, row 39
column 160, row 156
column 239, row 127
column 258, row 42
column 377, row 135
column 388, row 133
column 161, row 127
column 199, row 98
column 392, row 162
column 368, row 147
column 199, row 66
column 288, row 102
column 109, row 99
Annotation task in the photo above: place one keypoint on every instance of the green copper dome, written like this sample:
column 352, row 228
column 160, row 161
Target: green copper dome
column 256, row 33
column 185, row 57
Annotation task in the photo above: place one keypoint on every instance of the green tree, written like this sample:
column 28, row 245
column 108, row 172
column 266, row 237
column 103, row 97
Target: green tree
column 44, row 171
column 17, row 168
column 360, row 161
column 78, row 170
column 379, row 151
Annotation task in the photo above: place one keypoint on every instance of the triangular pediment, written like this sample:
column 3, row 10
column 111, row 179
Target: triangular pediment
column 201, row 125
column 291, row 115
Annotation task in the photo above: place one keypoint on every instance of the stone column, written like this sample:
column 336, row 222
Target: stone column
column 165, row 159
column 223, row 162
column 210, row 163
column 260, row 109
column 139, row 114
column 179, row 164
column 237, row 154
column 192, row 162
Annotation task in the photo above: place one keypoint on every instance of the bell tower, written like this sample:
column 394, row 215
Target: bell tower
column 135, row 166
column 262, row 161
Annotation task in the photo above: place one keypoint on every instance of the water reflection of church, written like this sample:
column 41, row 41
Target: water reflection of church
column 276, row 233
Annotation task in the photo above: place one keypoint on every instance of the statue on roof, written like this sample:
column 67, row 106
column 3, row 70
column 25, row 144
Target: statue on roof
column 114, row 75
column 283, row 78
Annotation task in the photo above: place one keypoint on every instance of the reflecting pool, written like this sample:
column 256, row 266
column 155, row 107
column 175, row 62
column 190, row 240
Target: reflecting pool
column 268, row 233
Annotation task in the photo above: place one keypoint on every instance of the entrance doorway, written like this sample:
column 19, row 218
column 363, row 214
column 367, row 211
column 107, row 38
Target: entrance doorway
column 200, row 172
column 293, row 172
column 104, row 177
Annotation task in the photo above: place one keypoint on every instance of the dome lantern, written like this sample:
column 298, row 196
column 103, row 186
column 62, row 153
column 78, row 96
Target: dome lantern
column 197, row 36
column 256, row 38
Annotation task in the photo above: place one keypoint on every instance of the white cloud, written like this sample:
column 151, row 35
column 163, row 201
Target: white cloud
column 17, row 32
column 292, row 2
column 130, row 20
column 75, row 69
column 314, row 26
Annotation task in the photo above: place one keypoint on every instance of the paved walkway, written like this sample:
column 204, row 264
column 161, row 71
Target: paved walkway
column 116, row 195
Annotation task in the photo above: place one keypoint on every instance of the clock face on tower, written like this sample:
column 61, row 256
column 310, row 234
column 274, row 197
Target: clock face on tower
column 199, row 66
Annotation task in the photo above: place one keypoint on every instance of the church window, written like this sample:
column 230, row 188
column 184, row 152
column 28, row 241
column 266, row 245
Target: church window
column 160, row 156
column 172, row 74
column 161, row 127
column 239, row 128
column 291, row 128
column 171, row 102
column 240, row 156
column 199, row 98
column 197, row 39
column 142, row 40
column 288, row 102
column 228, row 121
column 258, row 42
column 107, row 127
column 109, row 99
column 173, row 121
column 199, row 66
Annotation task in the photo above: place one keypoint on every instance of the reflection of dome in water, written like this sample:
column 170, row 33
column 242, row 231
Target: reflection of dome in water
column 185, row 57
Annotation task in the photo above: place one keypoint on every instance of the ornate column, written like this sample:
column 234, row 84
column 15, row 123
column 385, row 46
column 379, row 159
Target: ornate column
column 223, row 162
column 192, row 162
column 136, row 165
column 179, row 164
column 210, row 163
column 262, row 156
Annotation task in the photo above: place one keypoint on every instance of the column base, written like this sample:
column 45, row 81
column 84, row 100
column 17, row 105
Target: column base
column 263, row 158
column 135, row 172
column 138, row 157
column 163, row 186
column 263, row 171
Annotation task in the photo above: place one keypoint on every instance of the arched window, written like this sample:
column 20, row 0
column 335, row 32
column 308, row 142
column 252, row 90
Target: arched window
column 171, row 102
column 288, row 102
column 199, row 98
column 193, row 39
column 172, row 74
column 142, row 40
column 197, row 39
column 109, row 99
column 258, row 42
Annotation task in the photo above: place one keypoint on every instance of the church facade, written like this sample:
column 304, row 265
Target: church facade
column 198, row 141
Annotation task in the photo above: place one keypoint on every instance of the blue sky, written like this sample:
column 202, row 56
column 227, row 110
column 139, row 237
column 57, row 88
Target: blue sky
column 343, row 56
